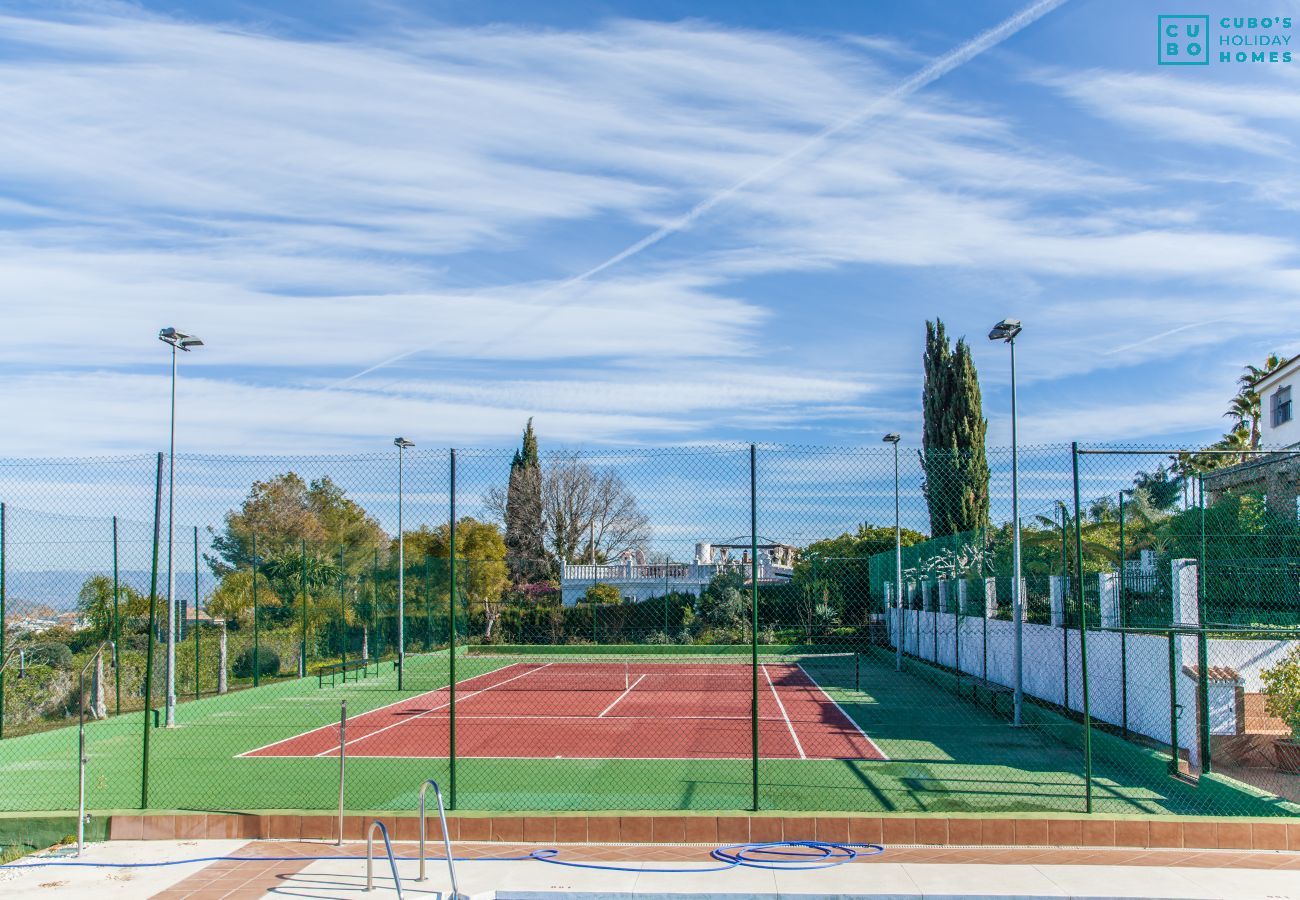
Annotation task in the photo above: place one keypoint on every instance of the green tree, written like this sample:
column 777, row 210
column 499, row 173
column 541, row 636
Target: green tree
column 523, row 510
column 956, row 469
column 1246, row 408
column 233, row 598
column 95, row 604
column 1162, row 487
column 482, row 576
column 286, row 511
column 867, row 541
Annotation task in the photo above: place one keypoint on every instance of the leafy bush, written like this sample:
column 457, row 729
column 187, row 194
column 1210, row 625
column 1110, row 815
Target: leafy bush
column 602, row 594
column 52, row 654
column 267, row 659
column 658, row 637
column 1282, row 691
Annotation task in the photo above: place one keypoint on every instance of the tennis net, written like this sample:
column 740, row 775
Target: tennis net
column 546, row 672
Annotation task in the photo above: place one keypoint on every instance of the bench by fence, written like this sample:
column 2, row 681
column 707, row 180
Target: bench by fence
column 333, row 670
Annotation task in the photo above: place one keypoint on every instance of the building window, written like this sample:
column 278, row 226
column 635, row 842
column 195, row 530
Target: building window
column 1281, row 401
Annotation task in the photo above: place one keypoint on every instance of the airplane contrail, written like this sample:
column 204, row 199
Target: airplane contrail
column 935, row 70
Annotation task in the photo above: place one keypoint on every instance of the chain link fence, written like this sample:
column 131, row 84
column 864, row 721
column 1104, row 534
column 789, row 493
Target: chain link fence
column 715, row 628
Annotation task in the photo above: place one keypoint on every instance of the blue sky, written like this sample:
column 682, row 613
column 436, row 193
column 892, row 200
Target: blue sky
column 407, row 190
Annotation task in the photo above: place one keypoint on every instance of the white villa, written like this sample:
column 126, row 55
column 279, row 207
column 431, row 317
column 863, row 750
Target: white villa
column 1278, row 427
column 636, row 580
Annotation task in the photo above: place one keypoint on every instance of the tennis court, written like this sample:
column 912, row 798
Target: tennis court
column 637, row 709
column 678, row 737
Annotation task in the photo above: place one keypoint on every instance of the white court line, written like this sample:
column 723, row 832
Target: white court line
column 812, row 682
column 271, row 705
column 333, row 750
column 615, row 703
column 784, row 714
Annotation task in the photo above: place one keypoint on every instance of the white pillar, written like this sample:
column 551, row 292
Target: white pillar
column 943, row 595
column 98, row 708
column 1108, row 595
column 1056, row 590
column 925, row 595
column 1185, row 610
column 961, row 595
column 222, row 660
column 990, row 598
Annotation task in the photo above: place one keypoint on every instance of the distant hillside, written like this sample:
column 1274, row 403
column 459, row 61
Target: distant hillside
column 58, row 588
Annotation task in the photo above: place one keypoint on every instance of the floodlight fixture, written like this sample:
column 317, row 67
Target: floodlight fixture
column 179, row 339
column 402, row 443
column 892, row 438
column 1006, row 330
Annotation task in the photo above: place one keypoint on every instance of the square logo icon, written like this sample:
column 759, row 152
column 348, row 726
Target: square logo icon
column 1183, row 41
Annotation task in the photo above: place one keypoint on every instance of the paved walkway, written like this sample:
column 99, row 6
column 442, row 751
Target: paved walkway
column 901, row 872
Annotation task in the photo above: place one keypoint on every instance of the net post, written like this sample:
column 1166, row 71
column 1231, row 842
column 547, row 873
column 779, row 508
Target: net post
column 857, row 671
column 753, row 604
column 343, row 759
column 1083, row 633
column 153, row 625
column 451, row 639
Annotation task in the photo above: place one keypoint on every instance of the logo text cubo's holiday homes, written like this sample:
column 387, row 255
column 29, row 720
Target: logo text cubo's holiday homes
column 1196, row 40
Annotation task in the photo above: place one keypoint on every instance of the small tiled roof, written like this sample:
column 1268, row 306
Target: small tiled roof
column 1217, row 673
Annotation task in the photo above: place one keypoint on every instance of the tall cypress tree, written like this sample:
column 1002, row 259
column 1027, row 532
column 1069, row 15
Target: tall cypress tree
column 956, row 468
column 525, row 549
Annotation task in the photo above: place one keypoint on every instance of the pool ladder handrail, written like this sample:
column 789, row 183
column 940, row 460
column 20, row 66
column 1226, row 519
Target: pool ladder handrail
column 370, row 857
column 446, row 839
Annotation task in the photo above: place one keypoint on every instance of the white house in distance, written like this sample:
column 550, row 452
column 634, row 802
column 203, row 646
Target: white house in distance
column 1275, row 476
column 1278, row 427
column 636, row 580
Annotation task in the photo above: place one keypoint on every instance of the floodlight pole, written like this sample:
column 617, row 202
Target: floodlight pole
column 893, row 438
column 1017, row 600
column 1006, row 330
column 1017, row 597
column 402, row 444
column 177, row 340
column 171, row 573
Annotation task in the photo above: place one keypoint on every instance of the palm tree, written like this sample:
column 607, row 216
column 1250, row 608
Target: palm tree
column 1247, row 403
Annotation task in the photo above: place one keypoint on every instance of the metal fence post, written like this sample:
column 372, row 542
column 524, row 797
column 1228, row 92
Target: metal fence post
column 198, row 692
column 1083, row 634
column 1065, row 609
column 117, row 625
column 343, row 615
column 257, row 656
column 753, row 603
column 1123, row 626
column 2, row 613
column 302, row 651
column 451, row 641
column 1202, row 643
column 153, row 625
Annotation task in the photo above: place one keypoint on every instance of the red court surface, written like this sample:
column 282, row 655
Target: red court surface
column 604, row 710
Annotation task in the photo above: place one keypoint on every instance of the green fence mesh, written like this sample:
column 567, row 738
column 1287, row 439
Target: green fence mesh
column 711, row 628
